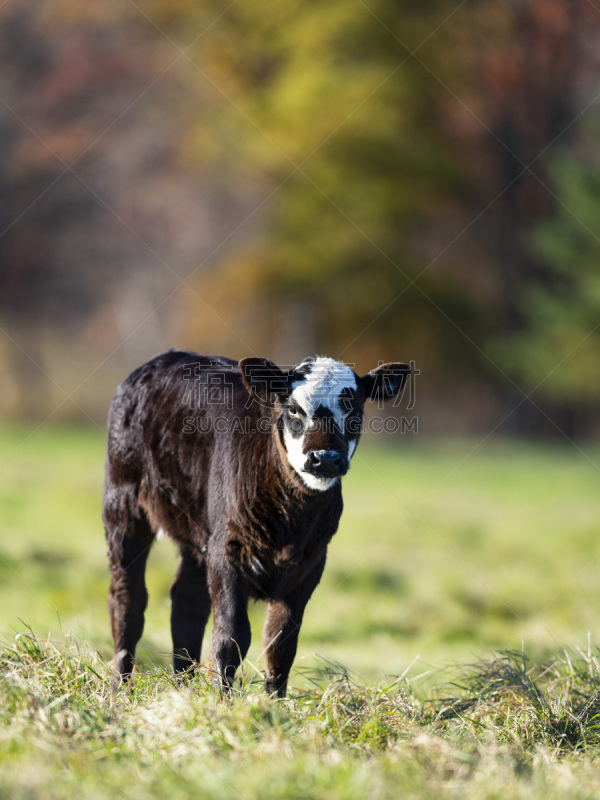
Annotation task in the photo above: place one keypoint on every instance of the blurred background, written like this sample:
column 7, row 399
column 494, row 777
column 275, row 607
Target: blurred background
column 366, row 179
column 370, row 180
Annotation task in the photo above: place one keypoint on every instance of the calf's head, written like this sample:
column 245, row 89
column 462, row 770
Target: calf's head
column 318, row 408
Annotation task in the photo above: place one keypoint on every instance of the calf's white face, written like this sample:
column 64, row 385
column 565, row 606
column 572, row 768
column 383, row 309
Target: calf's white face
column 315, row 413
column 319, row 407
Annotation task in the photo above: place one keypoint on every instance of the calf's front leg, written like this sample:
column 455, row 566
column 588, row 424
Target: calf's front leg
column 280, row 633
column 231, row 628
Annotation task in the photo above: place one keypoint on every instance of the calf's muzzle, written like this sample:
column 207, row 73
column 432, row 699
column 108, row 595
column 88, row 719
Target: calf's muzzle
column 326, row 463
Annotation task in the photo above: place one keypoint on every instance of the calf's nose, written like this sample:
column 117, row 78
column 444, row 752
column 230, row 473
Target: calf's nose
column 324, row 462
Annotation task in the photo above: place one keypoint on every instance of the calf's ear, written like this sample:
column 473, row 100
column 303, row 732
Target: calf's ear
column 262, row 377
column 385, row 382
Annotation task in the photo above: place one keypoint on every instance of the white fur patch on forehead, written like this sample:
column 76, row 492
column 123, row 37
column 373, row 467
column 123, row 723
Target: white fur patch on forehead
column 322, row 385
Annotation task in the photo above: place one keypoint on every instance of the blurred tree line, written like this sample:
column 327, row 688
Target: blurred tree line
column 373, row 180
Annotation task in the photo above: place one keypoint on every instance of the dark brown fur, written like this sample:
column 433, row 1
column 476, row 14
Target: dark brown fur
column 246, row 525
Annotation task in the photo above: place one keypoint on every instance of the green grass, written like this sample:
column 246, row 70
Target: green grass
column 447, row 554
column 441, row 555
column 509, row 731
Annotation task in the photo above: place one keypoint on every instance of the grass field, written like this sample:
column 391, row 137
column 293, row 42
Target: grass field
column 447, row 554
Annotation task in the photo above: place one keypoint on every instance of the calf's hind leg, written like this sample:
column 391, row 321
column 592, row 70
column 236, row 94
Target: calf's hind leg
column 129, row 540
column 190, row 609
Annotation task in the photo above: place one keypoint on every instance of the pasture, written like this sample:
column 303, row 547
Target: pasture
column 447, row 553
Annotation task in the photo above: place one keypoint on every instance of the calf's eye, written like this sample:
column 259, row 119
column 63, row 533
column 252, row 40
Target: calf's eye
column 296, row 425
